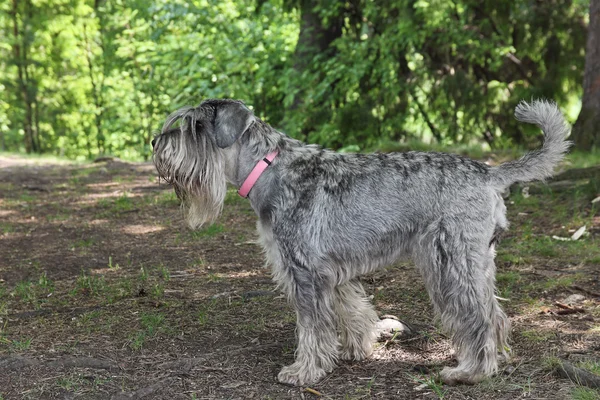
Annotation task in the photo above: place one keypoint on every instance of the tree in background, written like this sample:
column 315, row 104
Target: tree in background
column 86, row 77
column 586, row 131
column 450, row 71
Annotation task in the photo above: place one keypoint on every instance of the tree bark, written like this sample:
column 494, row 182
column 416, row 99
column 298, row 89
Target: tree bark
column 586, row 131
column 21, row 62
column 314, row 39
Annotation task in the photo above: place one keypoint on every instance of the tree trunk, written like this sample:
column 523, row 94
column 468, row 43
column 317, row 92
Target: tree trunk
column 21, row 62
column 314, row 39
column 586, row 131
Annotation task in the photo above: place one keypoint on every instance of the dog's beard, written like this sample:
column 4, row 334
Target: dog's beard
column 194, row 167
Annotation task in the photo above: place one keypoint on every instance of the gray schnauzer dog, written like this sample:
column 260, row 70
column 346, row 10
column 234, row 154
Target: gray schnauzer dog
column 325, row 218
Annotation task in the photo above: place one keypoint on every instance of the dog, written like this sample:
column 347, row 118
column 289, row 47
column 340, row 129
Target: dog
column 325, row 219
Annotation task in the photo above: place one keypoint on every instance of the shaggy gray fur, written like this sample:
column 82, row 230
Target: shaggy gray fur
column 326, row 218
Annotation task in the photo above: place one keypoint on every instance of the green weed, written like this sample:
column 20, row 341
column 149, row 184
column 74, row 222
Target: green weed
column 208, row 232
column 164, row 272
column 6, row 228
column 57, row 217
column 432, row 384
column 166, row 199
column 506, row 282
column 69, row 383
column 143, row 275
column 232, row 198
column 34, row 293
column 123, row 203
column 584, row 393
column 111, row 265
column 92, row 285
column 20, row 345
column 592, row 366
column 214, row 278
column 151, row 324
column 84, row 243
column 158, row 290
column 537, row 336
column 25, row 291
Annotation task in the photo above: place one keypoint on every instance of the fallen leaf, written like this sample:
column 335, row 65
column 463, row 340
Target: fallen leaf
column 313, row 391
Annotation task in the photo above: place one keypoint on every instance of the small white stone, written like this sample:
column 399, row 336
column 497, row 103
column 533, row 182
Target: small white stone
column 387, row 327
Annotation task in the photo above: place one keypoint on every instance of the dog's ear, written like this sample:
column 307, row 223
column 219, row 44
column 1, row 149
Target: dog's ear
column 231, row 120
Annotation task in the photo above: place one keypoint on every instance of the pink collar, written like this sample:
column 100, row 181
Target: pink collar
column 259, row 168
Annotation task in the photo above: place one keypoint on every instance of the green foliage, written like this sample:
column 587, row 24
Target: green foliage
column 81, row 78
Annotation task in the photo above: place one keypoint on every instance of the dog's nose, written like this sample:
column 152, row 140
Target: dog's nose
column 153, row 142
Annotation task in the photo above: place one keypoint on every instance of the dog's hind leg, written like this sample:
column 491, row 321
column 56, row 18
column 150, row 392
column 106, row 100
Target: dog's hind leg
column 459, row 274
column 356, row 318
column 312, row 295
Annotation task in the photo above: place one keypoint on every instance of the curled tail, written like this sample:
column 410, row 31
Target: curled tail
column 538, row 164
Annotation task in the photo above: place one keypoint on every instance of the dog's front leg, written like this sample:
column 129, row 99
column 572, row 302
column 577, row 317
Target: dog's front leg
column 313, row 298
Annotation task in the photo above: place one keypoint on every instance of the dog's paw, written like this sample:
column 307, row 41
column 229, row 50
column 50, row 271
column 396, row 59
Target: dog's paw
column 300, row 374
column 455, row 376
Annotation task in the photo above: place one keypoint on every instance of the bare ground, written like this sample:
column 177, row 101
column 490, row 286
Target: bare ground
column 104, row 293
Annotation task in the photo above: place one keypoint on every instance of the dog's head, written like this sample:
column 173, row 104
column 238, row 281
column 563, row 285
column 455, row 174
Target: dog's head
column 191, row 156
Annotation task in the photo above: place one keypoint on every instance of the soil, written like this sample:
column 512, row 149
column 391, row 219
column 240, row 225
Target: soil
column 105, row 293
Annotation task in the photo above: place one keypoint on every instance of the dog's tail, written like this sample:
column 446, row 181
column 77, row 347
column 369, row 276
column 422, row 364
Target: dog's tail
column 538, row 164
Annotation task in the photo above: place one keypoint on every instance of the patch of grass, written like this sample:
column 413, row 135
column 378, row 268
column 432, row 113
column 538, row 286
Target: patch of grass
column 143, row 275
column 45, row 284
column 232, row 197
column 20, row 345
column 113, row 206
column 25, row 291
column 506, row 282
column 151, row 324
column 34, row 293
column 57, row 217
column 584, row 393
column 166, row 199
column 205, row 312
column 123, row 203
column 111, row 265
column 434, row 385
column 122, row 179
column 583, row 159
column 26, row 197
column 592, row 366
column 84, row 243
column 164, row 273
column 560, row 282
column 214, row 277
column 551, row 363
column 88, row 319
column 6, row 228
column 69, row 383
column 84, row 171
column 158, row 290
column 208, row 232
column 91, row 285
column 536, row 336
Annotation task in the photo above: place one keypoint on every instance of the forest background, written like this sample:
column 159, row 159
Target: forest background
column 84, row 78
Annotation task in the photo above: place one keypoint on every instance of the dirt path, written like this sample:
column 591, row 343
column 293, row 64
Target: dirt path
column 104, row 293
